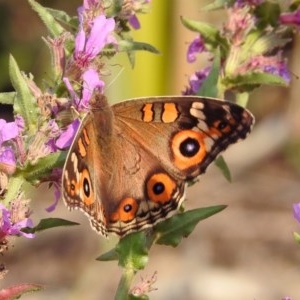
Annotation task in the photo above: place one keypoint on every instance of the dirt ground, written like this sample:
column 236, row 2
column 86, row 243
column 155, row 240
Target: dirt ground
column 245, row 252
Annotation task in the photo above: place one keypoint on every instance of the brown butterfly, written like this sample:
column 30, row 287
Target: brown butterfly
column 129, row 163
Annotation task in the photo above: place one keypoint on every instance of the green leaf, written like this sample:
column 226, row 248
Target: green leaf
column 252, row 80
column 133, row 250
column 64, row 18
column 143, row 297
column 222, row 165
column 171, row 231
column 49, row 223
column 297, row 237
column 16, row 291
column 209, row 87
column 34, row 173
column 209, row 34
column 54, row 28
column 109, row 255
column 24, row 103
column 127, row 45
column 217, row 4
column 7, row 98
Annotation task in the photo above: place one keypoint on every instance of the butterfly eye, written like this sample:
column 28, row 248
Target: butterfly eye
column 189, row 147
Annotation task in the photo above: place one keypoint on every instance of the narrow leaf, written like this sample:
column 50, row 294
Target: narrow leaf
column 297, row 237
column 63, row 17
column 126, row 45
column 254, row 79
column 7, row 98
column 108, row 256
column 25, row 103
column 34, row 172
column 209, row 87
column 222, row 165
column 209, row 34
column 49, row 223
column 171, row 231
column 54, row 28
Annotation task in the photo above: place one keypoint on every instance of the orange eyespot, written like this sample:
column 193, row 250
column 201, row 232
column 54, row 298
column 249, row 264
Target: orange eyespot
column 126, row 211
column 160, row 187
column 188, row 148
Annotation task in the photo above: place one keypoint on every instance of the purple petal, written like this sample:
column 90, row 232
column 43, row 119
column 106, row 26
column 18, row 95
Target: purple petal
column 72, row 93
column 91, row 81
column 197, row 46
column 134, row 22
column 99, row 36
column 66, row 138
column 8, row 131
column 16, row 228
column 57, row 195
column 296, row 208
column 7, row 156
column 80, row 41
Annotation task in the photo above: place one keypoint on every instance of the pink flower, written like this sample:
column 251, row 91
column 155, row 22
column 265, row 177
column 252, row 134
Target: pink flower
column 8, row 227
column 66, row 138
column 91, row 81
column 8, row 132
column 88, row 46
column 292, row 18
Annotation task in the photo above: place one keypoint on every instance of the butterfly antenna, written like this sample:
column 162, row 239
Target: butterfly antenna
column 114, row 79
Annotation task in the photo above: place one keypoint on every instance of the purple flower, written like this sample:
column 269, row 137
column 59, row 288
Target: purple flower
column 91, row 81
column 88, row 46
column 296, row 208
column 8, row 132
column 292, row 18
column 7, row 227
column 197, row 46
column 279, row 70
column 66, row 138
column 134, row 21
column 57, row 196
column 196, row 81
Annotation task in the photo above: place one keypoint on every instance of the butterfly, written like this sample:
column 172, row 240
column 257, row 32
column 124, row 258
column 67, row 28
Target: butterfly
column 129, row 164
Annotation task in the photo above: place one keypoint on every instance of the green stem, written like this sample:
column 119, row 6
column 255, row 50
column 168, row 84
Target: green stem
column 125, row 283
column 14, row 186
column 242, row 99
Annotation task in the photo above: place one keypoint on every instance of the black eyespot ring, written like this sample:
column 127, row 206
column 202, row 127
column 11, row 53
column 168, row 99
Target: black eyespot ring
column 127, row 208
column 86, row 187
column 189, row 147
column 158, row 188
